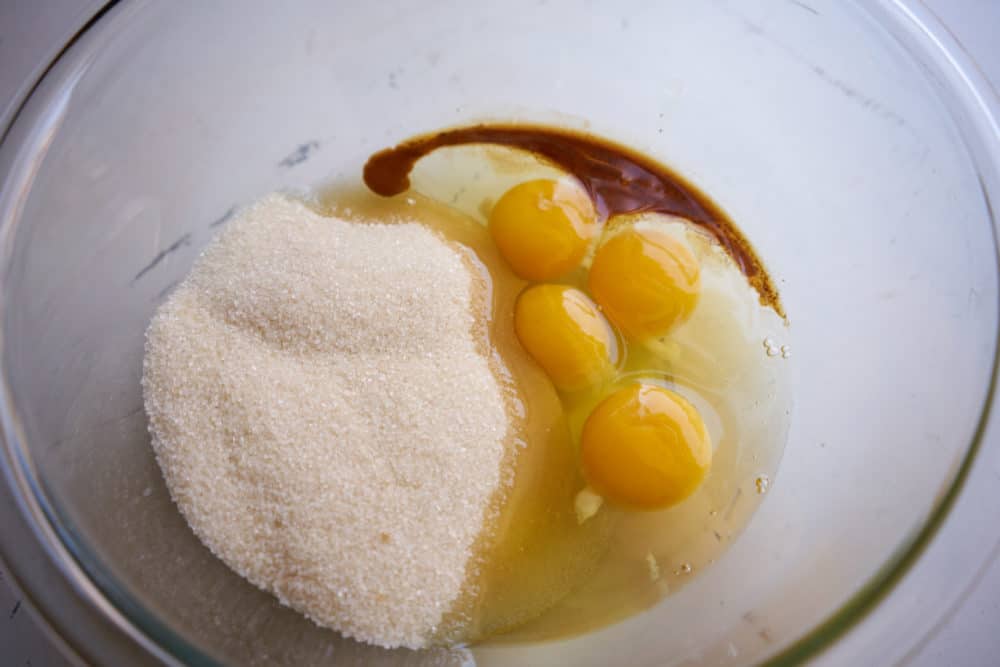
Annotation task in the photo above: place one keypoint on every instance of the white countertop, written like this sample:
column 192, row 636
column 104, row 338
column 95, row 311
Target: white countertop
column 30, row 31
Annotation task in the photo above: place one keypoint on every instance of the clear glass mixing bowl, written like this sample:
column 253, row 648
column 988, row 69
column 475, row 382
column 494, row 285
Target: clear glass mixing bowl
column 847, row 139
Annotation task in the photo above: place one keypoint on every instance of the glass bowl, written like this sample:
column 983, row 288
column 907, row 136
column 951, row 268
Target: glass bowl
column 850, row 141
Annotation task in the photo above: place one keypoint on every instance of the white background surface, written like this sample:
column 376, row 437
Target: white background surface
column 31, row 31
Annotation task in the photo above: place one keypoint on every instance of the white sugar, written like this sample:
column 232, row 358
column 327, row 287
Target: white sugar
column 326, row 419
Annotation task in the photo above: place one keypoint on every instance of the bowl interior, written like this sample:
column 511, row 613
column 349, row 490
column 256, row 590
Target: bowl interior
column 827, row 143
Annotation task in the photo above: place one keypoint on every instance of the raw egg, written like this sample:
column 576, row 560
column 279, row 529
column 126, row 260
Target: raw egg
column 670, row 343
column 646, row 281
column 563, row 330
column 645, row 447
column 543, row 227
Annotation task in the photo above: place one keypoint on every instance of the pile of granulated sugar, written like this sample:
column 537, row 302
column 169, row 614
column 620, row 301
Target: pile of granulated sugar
column 325, row 418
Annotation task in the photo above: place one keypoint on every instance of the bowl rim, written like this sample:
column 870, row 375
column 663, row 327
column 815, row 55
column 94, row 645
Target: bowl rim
column 41, row 553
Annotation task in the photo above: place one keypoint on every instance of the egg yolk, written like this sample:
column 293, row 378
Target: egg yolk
column 543, row 227
column 646, row 281
column 562, row 329
column 645, row 447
